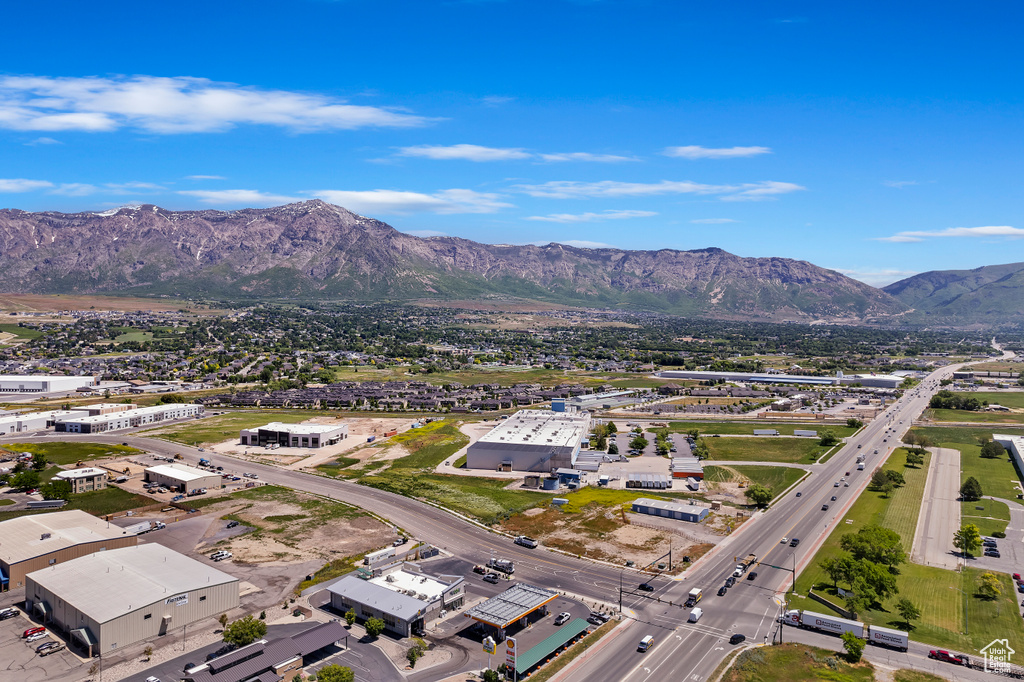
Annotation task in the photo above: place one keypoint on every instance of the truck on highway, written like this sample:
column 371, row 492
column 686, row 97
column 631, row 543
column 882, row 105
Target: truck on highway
column 693, row 597
column 205, row 462
column 747, row 562
column 503, row 565
column 874, row 634
column 860, row 466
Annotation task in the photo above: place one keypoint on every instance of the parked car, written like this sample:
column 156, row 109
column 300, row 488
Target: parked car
column 479, row 569
column 51, row 648
column 491, row 578
column 646, row 587
column 32, row 631
column 1016, row 577
column 38, row 635
column 8, row 613
column 232, row 524
column 562, row 618
column 603, row 617
column 737, row 638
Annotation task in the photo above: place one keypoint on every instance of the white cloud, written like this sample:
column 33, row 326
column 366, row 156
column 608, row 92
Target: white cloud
column 591, row 217
column 713, row 221
column 583, row 244
column 496, row 100
column 586, row 157
column 133, row 187
column 984, row 231
column 465, row 152
column 900, row 184
column 426, row 233
column 448, row 201
column 19, row 185
column 42, row 140
column 75, row 189
column 205, row 177
column 568, row 189
column 177, row 105
column 243, row 197
column 698, row 152
column 878, row 278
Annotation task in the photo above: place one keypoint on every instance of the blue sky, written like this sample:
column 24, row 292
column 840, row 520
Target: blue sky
column 877, row 139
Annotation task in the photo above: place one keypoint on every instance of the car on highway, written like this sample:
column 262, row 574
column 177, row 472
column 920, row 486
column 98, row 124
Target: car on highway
column 794, row 542
column 491, row 578
column 480, row 569
column 799, row 494
column 645, row 643
column 833, row 498
column 784, row 540
column 152, row 679
column 722, row 590
column 846, row 485
column 730, row 581
column 752, row 575
column 562, row 618
column 646, row 587
column 737, row 638
column 836, row 484
column 943, row 655
column 824, row 507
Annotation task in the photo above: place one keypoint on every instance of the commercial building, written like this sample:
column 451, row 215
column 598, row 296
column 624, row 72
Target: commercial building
column 669, row 510
column 514, row 605
column 84, row 480
column 531, row 440
column 872, row 380
column 750, row 377
column 109, row 600
column 275, row 659
column 181, row 477
column 36, row 421
column 401, row 595
column 115, row 421
column 29, row 543
column 294, row 435
column 687, row 467
column 43, row 383
column 1014, row 445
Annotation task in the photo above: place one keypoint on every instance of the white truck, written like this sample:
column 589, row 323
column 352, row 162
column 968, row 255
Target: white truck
column 860, row 466
column 874, row 634
column 143, row 527
column 694, row 597
column 893, row 639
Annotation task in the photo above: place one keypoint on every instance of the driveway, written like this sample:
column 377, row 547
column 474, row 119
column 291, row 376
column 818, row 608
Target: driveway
column 939, row 517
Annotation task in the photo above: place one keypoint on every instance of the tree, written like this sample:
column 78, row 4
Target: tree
column 923, row 442
column 910, row 439
column 914, row 459
column 335, row 673
column 56, row 490
column 854, row 423
column 989, row 587
column 24, row 480
column 350, row 616
column 971, row 491
column 490, row 676
column 148, row 652
column 992, row 450
column 613, row 448
column 896, row 477
column 244, row 631
column 701, row 450
column 38, row 461
column 694, row 434
column 638, row 443
column 836, row 569
column 759, row 495
column 878, row 478
column 612, row 428
column 854, row 646
column 223, row 620
column 967, row 539
column 908, row 611
column 374, row 627
column 875, row 544
column 415, row 652
column 887, row 488
column 827, row 438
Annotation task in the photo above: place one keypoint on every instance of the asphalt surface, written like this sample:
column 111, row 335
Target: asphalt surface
column 940, row 512
column 686, row 651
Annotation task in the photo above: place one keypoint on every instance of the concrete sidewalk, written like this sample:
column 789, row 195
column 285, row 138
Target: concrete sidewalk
column 939, row 517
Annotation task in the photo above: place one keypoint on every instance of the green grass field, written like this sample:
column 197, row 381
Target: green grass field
column 997, row 476
column 766, row 449
column 68, row 453
column 796, row 663
column 429, row 445
column 23, row 333
column 988, row 515
column 98, row 503
column 226, row 426
column 746, row 428
column 778, row 479
column 934, row 590
column 136, row 335
column 978, row 417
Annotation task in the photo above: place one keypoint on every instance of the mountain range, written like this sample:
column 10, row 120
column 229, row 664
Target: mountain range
column 317, row 251
column 987, row 295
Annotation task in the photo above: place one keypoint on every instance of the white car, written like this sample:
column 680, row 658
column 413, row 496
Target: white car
column 38, row 635
column 783, row 541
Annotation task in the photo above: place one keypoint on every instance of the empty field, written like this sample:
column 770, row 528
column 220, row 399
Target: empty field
column 746, row 428
column 226, row 426
column 978, row 417
column 766, row 449
column 998, row 477
column 69, row 453
column 777, row 479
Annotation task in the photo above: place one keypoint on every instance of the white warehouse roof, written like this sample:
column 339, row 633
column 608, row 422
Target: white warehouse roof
column 297, row 428
column 180, row 472
column 540, row 427
column 106, row 585
column 87, row 472
column 22, row 537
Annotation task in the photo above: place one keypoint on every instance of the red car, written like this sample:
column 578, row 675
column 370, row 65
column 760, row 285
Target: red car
column 1016, row 577
column 943, row 655
column 32, row 631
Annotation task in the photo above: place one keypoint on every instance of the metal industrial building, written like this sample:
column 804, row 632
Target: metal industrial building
column 181, row 477
column 749, row 377
column 531, row 440
column 669, row 510
column 404, row 597
column 294, row 435
column 43, row 383
column 29, row 543
column 114, row 421
column 35, row 421
column 84, row 480
column 109, row 600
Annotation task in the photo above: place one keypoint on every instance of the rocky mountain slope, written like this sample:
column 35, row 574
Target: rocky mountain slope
column 314, row 250
column 991, row 294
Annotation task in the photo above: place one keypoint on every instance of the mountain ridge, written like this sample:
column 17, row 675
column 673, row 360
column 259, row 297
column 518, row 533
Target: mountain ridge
column 991, row 294
column 315, row 250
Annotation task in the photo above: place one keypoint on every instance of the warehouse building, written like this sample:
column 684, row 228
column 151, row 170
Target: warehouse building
column 531, row 440
column 36, row 421
column 84, row 480
column 401, row 595
column 43, row 383
column 294, row 435
column 115, row 421
column 670, row 510
column 181, row 477
column 872, row 380
column 29, row 543
column 109, row 600
column 1014, row 445
column 750, row 377
column 687, row 467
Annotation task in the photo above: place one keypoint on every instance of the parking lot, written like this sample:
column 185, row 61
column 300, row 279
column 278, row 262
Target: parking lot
column 18, row 658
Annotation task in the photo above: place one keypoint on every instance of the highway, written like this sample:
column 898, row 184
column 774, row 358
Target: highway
column 683, row 651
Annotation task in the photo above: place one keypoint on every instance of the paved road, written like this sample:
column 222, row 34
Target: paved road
column 940, row 512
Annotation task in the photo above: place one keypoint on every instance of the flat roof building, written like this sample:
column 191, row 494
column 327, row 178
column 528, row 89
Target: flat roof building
column 873, row 380
column 109, row 600
column 531, row 440
column 294, row 435
column 182, row 477
column 404, row 597
column 28, row 543
column 514, row 604
column 115, row 421
column 43, row 383
column 749, row 377
column 670, row 510
column 84, row 480
column 35, row 421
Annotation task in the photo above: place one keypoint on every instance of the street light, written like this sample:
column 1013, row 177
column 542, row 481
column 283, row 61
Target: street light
column 967, row 620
